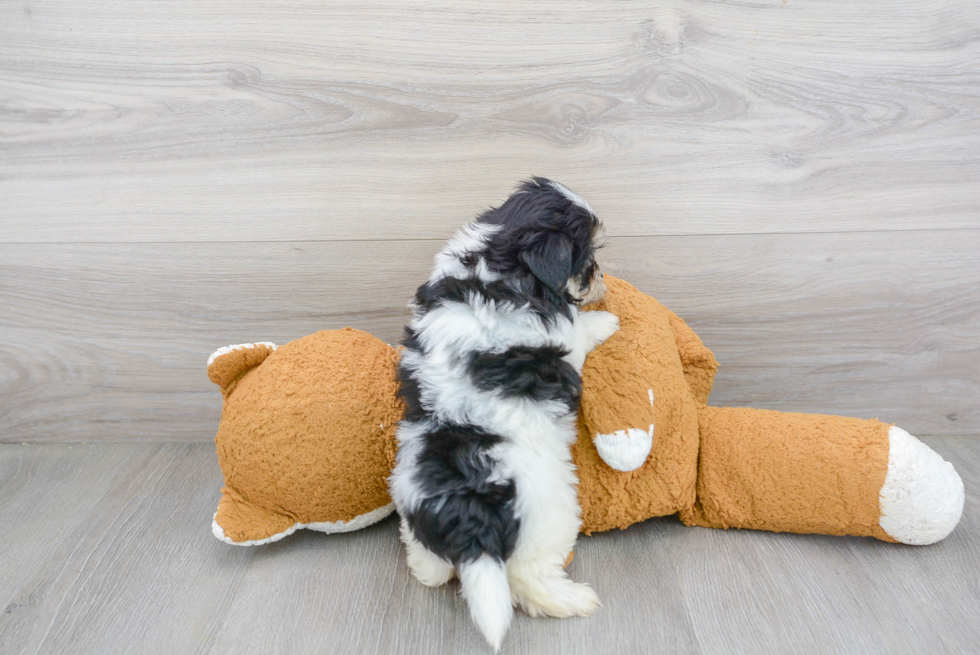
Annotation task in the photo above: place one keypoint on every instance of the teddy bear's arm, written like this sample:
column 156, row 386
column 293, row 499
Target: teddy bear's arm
column 699, row 363
column 617, row 402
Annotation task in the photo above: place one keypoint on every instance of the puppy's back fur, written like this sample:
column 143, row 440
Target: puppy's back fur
column 484, row 481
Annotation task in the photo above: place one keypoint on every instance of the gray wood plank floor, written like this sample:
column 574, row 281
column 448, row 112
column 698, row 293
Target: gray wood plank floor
column 107, row 549
column 110, row 343
column 134, row 121
column 796, row 179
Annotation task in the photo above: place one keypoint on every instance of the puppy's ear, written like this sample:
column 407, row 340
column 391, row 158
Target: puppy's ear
column 550, row 260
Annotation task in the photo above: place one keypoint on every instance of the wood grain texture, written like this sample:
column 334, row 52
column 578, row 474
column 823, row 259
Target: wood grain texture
column 108, row 549
column 799, row 180
column 218, row 121
column 109, row 341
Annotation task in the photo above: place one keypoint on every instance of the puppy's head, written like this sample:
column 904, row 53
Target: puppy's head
column 550, row 234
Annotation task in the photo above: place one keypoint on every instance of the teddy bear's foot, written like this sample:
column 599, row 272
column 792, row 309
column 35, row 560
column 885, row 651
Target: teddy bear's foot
column 555, row 596
column 240, row 523
column 922, row 498
column 427, row 567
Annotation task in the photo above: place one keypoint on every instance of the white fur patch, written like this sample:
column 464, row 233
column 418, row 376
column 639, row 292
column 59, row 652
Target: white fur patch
column 922, row 498
column 572, row 196
column 471, row 238
column 428, row 568
column 626, row 450
column 240, row 346
column 487, row 592
column 330, row 527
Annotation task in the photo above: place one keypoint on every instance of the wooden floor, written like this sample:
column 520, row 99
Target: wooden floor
column 107, row 548
column 797, row 179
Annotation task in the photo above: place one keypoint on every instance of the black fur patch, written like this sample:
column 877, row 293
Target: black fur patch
column 518, row 292
column 412, row 341
column 411, row 394
column 538, row 373
column 550, row 260
column 544, row 239
column 464, row 515
column 589, row 272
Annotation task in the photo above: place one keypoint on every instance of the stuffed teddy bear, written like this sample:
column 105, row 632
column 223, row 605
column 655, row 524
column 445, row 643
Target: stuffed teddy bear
column 307, row 440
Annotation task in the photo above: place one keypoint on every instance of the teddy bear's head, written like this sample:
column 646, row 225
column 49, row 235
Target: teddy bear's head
column 306, row 436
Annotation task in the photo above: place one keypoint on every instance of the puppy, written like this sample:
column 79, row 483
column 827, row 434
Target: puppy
column 490, row 376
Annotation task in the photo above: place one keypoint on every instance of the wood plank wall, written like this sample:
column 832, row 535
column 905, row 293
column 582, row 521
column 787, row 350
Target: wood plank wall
column 800, row 180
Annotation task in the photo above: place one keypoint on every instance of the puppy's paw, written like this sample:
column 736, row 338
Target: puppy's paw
column 557, row 597
column 431, row 571
column 427, row 567
column 600, row 326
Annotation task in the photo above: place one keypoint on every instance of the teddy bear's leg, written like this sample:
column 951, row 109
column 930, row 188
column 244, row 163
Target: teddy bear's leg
column 241, row 523
column 811, row 473
column 427, row 567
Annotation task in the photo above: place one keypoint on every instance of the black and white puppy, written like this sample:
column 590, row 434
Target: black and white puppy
column 490, row 375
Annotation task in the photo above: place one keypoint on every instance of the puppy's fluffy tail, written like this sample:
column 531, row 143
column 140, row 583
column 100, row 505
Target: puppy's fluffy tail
column 487, row 592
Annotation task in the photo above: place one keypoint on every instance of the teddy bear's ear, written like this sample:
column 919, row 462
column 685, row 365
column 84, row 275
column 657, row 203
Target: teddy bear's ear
column 699, row 363
column 227, row 365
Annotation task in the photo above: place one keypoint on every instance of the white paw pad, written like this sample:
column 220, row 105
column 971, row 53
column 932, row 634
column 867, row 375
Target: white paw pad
column 625, row 450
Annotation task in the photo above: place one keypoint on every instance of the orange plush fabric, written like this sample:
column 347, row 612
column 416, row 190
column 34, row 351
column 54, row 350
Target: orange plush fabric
column 781, row 471
column 307, row 432
column 634, row 380
column 307, row 438
column 718, row 467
